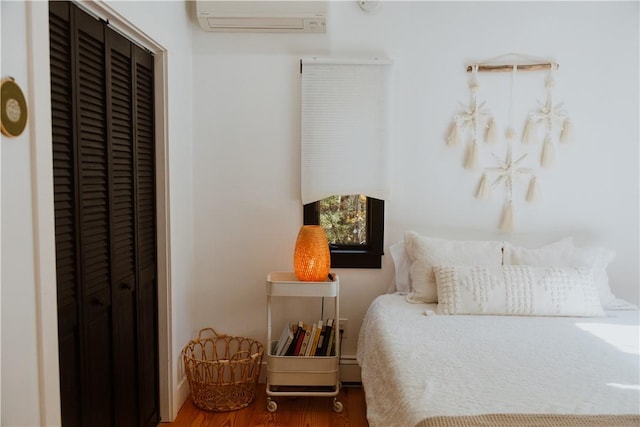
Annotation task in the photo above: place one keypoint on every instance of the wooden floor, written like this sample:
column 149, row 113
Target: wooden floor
column 291, row 412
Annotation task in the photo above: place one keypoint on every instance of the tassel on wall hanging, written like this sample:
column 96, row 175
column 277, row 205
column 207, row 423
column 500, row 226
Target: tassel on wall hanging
column 477, row 118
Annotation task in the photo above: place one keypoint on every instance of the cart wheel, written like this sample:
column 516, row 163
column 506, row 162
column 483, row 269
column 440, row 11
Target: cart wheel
column 272, row 406
column 337, row 406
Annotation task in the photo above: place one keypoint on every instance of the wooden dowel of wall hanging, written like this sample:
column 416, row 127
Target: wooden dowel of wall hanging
column 507, row 67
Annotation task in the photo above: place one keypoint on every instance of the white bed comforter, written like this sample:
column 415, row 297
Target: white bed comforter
column 416, row 366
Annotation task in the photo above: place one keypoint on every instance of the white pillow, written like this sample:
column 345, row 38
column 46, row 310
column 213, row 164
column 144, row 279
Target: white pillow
column 402, row 264
column 597, row 259
column 517, row 290
column 564, row 253
column 542, row 256
column 425, row 252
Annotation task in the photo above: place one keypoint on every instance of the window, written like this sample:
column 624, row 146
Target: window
column 354, row 225
column 345, row 150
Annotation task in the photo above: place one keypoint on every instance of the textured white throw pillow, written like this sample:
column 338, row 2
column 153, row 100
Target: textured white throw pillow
column 425, row 252
column 517, row 290
column 564, row 253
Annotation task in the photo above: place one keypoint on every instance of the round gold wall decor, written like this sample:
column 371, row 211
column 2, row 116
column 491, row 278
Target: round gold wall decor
column 13, row 108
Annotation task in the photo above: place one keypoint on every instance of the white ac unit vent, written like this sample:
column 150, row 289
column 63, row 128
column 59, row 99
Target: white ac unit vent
column 262, row 16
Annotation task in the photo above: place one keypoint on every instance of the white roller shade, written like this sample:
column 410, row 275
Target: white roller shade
column 345, row 129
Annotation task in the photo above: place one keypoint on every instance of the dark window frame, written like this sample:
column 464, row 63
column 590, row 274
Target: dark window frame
column 356, row 256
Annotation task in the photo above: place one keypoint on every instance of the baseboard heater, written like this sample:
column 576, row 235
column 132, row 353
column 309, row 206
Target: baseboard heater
column 349, row 370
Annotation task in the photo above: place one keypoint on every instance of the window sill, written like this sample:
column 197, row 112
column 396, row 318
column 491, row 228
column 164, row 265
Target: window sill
column 347, row 258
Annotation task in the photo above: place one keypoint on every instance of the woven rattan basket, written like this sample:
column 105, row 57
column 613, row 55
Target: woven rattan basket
column 222, row 370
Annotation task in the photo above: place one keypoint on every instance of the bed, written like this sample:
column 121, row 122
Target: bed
column 423, row 368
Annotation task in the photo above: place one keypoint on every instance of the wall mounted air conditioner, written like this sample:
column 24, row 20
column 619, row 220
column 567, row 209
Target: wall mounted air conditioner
column 262, row 16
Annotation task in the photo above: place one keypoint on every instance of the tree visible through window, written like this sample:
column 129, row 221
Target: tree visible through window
column 354, row 225
column 344, row 219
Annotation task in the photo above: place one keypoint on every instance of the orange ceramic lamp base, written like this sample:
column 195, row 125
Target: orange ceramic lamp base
column 311, row 258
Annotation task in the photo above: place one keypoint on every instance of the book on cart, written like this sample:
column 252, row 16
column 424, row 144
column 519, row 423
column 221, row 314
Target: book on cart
column 327, row 338
column 323, row 330
column 303, row 331
column 294, row 342
column 331, row 347
column 285, row 339
column 305, row 340
column 311, row 338
column 316, row 338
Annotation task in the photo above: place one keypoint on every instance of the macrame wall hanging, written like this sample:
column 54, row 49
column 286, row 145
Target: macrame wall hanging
column 476, row 121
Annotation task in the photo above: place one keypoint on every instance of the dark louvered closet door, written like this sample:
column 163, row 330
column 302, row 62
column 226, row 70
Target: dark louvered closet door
column 103, row 150
column 123, row 227
column 93, row 201
column 146, row 237
column 69, row 334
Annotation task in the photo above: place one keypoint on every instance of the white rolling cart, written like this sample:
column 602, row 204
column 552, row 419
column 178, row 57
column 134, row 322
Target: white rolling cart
column 301, row 375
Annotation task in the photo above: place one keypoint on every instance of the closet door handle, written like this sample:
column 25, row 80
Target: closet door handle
column 126, row 286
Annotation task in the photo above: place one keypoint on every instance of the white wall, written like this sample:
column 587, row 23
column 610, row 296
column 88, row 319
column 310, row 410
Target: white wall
column 247, row 122
column 19, row 342
column 28, row 393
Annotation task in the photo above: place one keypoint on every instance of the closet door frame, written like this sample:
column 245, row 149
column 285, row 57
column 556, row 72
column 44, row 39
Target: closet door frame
column 39, row 98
